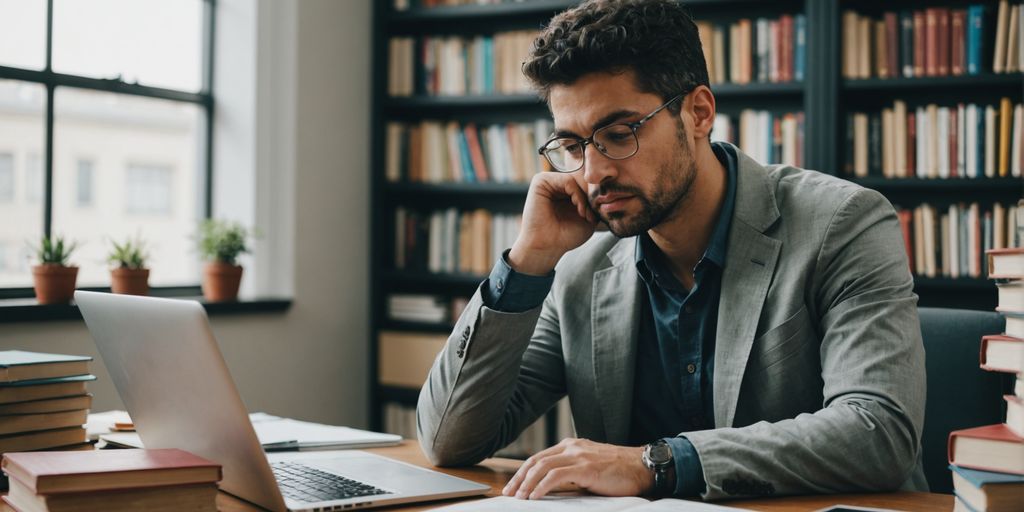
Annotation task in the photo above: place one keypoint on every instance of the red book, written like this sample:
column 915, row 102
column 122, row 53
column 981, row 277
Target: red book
column 99, row 470
column 958, row 52
column 786, row 40
column 892, row 35
column 1001, row 353
column 942, row 41
column 911, row 144
column 931, row 41
column 476, row 153
column 919, row 43
column 989, row 448
column 906, row 218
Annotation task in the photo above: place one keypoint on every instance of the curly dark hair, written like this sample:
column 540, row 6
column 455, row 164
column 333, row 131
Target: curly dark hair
column 657, row 39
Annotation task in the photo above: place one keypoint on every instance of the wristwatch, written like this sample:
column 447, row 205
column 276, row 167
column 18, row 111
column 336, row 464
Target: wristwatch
column 657, row 457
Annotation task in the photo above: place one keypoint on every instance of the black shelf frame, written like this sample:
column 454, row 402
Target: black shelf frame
column 823, row 96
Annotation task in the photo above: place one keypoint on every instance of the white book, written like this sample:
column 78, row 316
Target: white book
column 1013, row 235
column 860, row 145
column 393, row 155
column 950, row 248
column 1017, row 135
column 933, row 140
column 762, row 55
column 451, row 240
column 789, row 134
column 719, row 55
column 919, row 263
column 974, row 257
column 900, row 129
column 929, row 240
column 922, row 140
column 961, row 144
column 999, row 238
column 766, row 135
column 1012, row 41
column 990, row 141
column 942, row 142
column 734, row 53
column 972, row 141
column 435, row 248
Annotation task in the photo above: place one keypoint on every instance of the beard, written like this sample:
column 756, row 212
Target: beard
column 672, row 185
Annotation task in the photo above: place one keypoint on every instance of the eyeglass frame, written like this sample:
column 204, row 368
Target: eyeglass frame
column 634, row 126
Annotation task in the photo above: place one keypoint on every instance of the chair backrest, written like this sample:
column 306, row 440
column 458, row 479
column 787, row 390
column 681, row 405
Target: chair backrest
column 960, row 394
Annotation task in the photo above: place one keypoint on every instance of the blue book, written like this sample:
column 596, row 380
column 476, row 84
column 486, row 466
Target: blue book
column 468, row 174
column 975, row 24
column 488, row 65
column 989, row 491
column 800, row 53
column 21, row 365
column 43, row 382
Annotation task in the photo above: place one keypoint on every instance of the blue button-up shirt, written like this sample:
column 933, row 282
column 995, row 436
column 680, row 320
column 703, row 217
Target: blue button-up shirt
column 676, row 348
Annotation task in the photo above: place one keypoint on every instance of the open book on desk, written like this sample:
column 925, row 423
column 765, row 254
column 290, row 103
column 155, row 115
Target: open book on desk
column 278, row 434
column 580, row 503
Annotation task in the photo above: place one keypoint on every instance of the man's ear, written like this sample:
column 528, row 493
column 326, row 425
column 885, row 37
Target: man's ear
column 700, row 103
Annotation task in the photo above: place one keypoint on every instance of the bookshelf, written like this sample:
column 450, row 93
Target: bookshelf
column 824, row 97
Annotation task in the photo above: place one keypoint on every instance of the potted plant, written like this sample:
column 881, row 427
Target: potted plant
column 53, row 278
column 220, row 243
column 129, row 275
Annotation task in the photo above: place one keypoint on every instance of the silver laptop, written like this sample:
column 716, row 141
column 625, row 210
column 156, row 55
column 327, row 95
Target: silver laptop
column 164, row 361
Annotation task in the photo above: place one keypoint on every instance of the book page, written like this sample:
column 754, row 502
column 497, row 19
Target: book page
column 581, row 503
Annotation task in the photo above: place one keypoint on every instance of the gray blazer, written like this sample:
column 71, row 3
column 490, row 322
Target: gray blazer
column 819, row 383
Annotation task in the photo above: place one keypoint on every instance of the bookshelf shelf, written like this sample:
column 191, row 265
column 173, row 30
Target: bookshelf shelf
column 513, row 190
column 955, row 284
column 943, row 184
column 412, row 278
column 471, row 13
column 475, row 101
column 944, row 83
column 730, row 90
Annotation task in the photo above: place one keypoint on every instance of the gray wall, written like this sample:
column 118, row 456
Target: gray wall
column 310, row 362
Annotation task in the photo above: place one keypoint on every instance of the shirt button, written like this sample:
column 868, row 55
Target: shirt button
column 500, row 285
column 690, row 368
column 688, row 309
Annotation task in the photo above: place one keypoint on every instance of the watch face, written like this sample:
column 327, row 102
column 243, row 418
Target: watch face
column 660, row 453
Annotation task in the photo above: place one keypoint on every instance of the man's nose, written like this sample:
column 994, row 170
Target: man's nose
column 596, row 166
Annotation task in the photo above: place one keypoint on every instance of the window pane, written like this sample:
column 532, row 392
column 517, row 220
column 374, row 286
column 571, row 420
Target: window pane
column 84, row 196
column 22, row 135
column 143, row 157
column 152, row 42
column 23, row 33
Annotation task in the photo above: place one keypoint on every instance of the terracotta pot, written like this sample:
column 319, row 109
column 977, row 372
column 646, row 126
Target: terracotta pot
column 129, row 281
column 220, row 281
column 55, row 284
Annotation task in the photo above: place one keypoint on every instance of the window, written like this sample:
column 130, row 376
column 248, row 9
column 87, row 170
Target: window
column 6, row 177
column 148, row 189
column 125, row 150
column 83, row 192
column 3, row 257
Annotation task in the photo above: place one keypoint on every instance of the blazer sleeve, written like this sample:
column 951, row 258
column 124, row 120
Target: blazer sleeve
column 867, row 435
column 497, row 374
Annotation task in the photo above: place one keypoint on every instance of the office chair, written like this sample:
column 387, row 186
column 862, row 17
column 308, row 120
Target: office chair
column 960, row 394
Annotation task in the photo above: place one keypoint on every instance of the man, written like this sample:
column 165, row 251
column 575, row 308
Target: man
column 743, row 330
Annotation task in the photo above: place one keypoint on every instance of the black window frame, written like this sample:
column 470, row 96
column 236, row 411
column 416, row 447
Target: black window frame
column 52, row 80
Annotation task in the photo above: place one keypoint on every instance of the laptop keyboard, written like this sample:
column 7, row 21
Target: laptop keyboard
column 303, row 483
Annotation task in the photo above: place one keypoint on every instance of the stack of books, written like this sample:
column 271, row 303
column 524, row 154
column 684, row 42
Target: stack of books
column 988, row 462
column 111, row 480
column 43, row 401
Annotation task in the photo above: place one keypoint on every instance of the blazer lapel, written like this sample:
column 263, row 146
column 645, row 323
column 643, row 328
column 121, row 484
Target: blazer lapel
column 615, row 314
column 750, row 264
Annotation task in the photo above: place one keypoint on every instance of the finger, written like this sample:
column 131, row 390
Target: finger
column 541, row 469
column 559, row 478
column 512, row 486
column 572, row 188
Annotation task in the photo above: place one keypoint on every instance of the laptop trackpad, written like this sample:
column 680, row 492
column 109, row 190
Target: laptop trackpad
column 391, row 476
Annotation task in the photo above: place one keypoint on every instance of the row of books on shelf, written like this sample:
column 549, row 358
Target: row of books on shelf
column 401, row 419
column 763, row 135
column 436, row 152
column 987, row 462
column 423, row 308
column 452, row 241
column 765, row 50
column 404, row 5
column 951, row 242
column 457, row 66
column 931, row 141
column 937, row 41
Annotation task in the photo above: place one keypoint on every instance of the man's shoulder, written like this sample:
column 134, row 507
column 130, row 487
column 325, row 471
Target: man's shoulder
column 800, row 192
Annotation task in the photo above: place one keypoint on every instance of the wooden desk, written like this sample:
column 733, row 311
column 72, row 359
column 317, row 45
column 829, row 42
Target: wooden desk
column 496, row 472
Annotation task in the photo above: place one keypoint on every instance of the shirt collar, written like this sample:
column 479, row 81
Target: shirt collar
column 647, row 263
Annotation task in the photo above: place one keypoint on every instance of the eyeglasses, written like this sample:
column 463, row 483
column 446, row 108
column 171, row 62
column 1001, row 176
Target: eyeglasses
column 616, row 141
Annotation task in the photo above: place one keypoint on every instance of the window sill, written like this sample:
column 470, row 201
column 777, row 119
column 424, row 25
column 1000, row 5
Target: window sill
column 28, row 310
